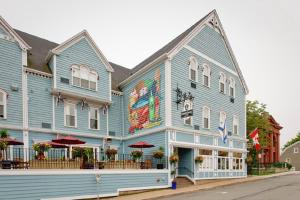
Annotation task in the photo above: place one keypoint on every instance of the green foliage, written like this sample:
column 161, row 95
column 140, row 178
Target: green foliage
column 40, row 148
column 136, row 154
column 282, row 165
column 159, row 154
column 3, row 133
column 3, row 145
column 257, row 117
column 87, row 154
column 292, row 141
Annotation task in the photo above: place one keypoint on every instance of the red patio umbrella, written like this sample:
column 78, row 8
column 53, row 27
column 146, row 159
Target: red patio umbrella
column 11, row 141
column 68, row 140
column 54, row 144
column 141, row 145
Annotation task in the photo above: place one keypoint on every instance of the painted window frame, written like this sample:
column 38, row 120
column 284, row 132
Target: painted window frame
column 68, row 103
column 222, row 80
column 193, row 65
column 91, row 73
column 206, row 72
column 205, row 112
column 98, row 117
column 4, row 103
column 231, row 85
column 220, row 117
column 190, row 103
column 235, row 122
column 296, row 150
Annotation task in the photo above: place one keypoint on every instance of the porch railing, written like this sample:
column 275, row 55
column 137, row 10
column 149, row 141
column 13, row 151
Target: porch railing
column 20, row 158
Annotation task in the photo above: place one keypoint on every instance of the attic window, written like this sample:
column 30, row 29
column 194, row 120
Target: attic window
column 84, row 77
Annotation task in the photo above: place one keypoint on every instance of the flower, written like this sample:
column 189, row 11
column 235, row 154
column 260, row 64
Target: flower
column 199, row 159
column 136, row 154
column 174, row 158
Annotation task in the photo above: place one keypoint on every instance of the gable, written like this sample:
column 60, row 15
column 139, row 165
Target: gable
column 211, row 43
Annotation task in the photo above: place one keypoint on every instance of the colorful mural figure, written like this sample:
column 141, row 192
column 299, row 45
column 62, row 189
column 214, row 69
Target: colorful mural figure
column 143, row 107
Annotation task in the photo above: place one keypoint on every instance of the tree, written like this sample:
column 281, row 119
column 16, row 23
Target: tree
column 292, row 141
column 257, row 117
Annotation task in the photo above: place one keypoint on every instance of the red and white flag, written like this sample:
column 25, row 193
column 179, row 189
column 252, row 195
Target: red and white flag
column 254, row 136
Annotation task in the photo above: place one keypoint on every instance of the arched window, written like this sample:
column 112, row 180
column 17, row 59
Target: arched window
column 222, row 81
column 206, row 75
column 83, row 76
column 231, row 87
column 3, row 104
column 235, row 125
column 193, row 69
column 188, row 105
column 206, row 117
column 222, row 118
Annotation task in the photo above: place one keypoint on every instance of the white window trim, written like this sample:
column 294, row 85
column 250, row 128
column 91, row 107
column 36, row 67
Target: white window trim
column 75, row 112
column 222, row 112
column 222, row 81
column 233, row 123
column 98, row 116
column 191, row 107
column 196, row 68
column 296, row 150
column 91, row 71
column 208, row 74
column 4, row 103
column 232, row 84
column 203, row 109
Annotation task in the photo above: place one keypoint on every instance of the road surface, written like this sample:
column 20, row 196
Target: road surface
column 276, row 188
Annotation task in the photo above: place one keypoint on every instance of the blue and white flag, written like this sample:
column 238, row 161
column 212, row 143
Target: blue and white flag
column 223, row 131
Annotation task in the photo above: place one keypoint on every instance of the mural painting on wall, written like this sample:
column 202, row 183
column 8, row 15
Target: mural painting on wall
column 143, row 107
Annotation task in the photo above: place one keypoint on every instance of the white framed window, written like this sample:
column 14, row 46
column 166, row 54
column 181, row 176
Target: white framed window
column 222, row 118
column 231, row 87
column 296, row 150
column 193, row 69
column 206, row 75
column 94, row 118
column 3, row 104
column 188, row 105
column 235, row 125
column 70, row 114
column 206, row 117
column 222, row 85
column 208, row 160
column 84, row 77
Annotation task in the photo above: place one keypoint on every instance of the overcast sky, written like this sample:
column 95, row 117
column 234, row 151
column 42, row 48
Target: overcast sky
column 264, row 35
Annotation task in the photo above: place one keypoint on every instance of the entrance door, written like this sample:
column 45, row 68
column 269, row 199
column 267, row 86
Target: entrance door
column 185, row 164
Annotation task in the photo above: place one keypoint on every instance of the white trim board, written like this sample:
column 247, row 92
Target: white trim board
column 210, row 59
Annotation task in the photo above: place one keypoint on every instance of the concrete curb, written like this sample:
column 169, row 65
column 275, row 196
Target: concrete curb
column 149, row 195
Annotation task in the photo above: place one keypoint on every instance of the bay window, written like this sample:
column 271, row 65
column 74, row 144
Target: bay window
column 70, row 114
column 84, row 77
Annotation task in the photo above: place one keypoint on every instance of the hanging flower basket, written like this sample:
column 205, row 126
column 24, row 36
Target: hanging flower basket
column 174, row 158
column 136, row 154
column 199, row 159
column 40, row 149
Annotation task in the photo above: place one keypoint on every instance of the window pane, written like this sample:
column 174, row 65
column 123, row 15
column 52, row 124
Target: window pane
column 231, row 91
column 93, row 77
column 93, row 124
column 2, row 111
column 222, row 87
column 76, row 81
column 92, row 85
column 235, row 131
column 85, row 83
column 205, row 80
column 193, row 75
column 84, row 73
column 70, row 120
column 188, row 120
column 205, row 122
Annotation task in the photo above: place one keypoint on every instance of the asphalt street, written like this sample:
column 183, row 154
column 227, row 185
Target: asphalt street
column 281, row 188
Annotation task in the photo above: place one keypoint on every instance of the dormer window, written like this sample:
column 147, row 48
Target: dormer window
column 222, row 81
column 206, row 75
column 193, row 67
column 231, row 87
column 3, row 106
column 84, row 77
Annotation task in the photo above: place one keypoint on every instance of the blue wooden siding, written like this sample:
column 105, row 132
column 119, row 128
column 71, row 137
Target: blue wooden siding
column 2, row 31
column 204, row 96
column 11, row 75
column 211, row 43
column 34, row 187
column 82, row 53
column 116, row 116
column 38, row 136
column 39, row 101
column 184, row 137
column 207, row 140
column 128, row 89
column 16, row 134
column 157, row 139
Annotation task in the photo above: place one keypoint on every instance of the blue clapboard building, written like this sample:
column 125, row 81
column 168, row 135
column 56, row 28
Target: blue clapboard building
column 178, row 98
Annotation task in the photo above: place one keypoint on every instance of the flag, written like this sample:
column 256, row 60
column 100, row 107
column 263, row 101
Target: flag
column 254, row 136
column 223, row 131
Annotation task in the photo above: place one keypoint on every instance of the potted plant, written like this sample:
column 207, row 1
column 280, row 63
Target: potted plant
column 136, row 154
column 41, row 149
column 4, row 133
column 159, row 154
column 174, row 184
column 199, row 159
column 110, row 153
column 174, row 159
column 87, row 158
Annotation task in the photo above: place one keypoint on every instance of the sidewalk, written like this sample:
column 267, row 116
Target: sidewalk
column 170, row 192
